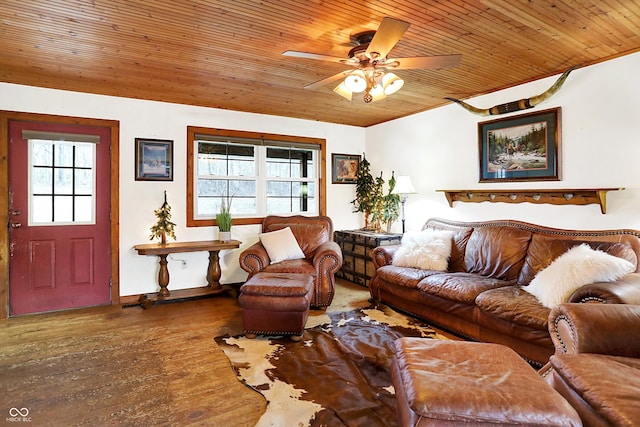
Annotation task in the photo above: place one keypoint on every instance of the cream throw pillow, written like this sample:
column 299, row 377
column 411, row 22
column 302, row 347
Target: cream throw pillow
column 579, row 266
column 427, row 250
column 281, row 245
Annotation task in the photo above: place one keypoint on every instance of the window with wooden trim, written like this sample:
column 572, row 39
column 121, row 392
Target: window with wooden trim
column 261, row 174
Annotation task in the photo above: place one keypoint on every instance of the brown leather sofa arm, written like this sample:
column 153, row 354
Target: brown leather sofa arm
column 328, row 257
column 612, row 329
column 383, row 255
column 625, row 290
column 254, row 259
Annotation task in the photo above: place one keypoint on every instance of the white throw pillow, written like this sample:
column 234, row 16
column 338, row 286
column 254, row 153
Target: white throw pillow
column 427, row 250
column 281, row 245
column 579, row 266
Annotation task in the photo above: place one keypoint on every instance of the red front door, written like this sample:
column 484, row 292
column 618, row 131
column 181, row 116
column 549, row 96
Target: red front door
column 59, row 213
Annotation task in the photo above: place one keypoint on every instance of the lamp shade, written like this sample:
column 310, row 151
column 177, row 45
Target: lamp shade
column 356, row 81
column 403, row 185
column 391, row 83
column 342, row 90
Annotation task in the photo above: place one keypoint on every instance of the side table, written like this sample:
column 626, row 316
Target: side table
column 213, row 269
column 356, row 248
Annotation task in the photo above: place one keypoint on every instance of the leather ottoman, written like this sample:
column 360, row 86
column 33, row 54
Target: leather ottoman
column 276, row 304
column 447, row 383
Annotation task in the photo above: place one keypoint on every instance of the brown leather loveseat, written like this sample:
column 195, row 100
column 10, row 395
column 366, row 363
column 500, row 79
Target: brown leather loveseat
column 481, row 294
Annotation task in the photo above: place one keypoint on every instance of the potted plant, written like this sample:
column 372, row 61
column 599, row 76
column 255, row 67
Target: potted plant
column 164, row 226
column 223, row 218
column 365, row 200
column 391, row 204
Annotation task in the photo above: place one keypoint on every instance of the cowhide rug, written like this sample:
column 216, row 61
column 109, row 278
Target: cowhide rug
column 339, row 374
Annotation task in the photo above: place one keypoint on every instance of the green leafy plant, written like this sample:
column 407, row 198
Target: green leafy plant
column 391, row 204
column 365, row 191
column 164, row 227
column 223, row 218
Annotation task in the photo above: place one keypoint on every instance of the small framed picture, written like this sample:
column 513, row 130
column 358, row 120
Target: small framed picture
column 520, row 148
column 154, row 159
column 344, row 168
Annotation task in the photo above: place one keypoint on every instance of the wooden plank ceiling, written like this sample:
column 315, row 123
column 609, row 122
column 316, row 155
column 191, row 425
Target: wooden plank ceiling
column 228, row 54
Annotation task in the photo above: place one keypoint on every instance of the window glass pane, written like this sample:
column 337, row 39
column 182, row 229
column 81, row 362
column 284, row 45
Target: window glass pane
column 63, row 154
column 279, row 188
column 212, row 187
column 84, row 181
column 41, row 209
column 63, row 209
column 278, row 162
column 63, row 181
column 41, row 153
column 242, row 188
column 84, row 155
column 41, row 180
column 84, row 209
column 277, row 205
column 244, row 205
column 302, row 164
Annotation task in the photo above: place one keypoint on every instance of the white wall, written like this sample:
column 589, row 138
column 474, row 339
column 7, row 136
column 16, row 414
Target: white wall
column 600, row 148
column 138, row 199
column 437, row 148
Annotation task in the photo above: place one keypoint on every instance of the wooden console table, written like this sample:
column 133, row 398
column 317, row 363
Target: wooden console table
column 213, row 270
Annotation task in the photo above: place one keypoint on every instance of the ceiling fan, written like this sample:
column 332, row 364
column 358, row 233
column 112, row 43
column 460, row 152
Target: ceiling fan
column 372, row 68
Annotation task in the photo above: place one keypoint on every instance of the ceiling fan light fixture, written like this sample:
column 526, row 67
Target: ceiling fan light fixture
column 391, row 83
column 377, row 93
column 356, row 81
column 342, row 90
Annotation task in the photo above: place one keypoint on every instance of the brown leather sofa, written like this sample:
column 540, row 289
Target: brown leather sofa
column 596, row 365
column 481, row 295
column 323, row 256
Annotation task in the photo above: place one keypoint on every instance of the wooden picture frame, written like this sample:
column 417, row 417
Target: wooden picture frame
column 521, row 148
column 154, row 159
column 344, row 168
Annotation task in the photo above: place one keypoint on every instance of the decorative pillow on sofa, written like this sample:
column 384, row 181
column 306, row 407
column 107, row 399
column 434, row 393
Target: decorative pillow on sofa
column 281, row 245
column 427, row 250
column 579, row 266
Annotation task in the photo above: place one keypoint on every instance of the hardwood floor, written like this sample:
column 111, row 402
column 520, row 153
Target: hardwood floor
column 128, row 366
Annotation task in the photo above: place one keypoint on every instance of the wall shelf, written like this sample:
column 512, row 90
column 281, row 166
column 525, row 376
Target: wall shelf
column 576, row 196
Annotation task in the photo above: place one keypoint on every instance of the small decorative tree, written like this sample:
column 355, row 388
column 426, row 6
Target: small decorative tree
column 377, row 210
column 365, row 191
column 164, row 226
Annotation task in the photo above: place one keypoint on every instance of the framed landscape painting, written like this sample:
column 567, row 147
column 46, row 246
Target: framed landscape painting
column 520, row 148
column 154, row 160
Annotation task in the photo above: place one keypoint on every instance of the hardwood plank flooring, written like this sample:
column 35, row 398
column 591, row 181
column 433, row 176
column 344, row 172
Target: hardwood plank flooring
column 118, row 366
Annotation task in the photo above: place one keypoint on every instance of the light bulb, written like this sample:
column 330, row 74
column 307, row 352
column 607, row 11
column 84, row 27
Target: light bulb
column 356, row 81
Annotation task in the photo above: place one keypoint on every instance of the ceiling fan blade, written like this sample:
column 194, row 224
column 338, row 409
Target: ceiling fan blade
column 326, row 80
column 387, row 35
column 308, row 55
column 433, row 62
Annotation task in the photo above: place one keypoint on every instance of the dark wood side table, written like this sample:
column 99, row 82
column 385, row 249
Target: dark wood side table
column 213, row 269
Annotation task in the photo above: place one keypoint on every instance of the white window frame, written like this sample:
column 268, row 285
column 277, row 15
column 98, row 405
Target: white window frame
column 261, row 143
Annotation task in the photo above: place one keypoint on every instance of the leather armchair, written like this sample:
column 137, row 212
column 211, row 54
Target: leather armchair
column 323, row 256
column 596, row 365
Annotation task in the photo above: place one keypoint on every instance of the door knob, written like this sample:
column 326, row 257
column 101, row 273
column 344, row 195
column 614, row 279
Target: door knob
column 15, row 225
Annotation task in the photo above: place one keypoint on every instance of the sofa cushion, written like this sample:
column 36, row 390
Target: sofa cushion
column 544, row 249
column 427, row 249
column 514, row 305
column 609, row 384
column 497, row 252
column 577, row 267
column 459, row 287
column 403, row 276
